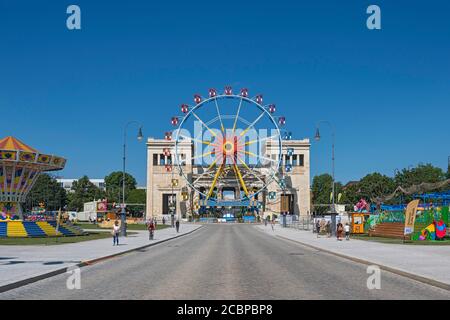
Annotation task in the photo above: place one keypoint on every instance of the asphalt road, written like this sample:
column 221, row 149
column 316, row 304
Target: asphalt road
column 227, row 262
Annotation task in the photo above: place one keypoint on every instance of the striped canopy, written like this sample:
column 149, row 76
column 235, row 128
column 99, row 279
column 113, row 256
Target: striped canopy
column 20, row 166
column 11, row 143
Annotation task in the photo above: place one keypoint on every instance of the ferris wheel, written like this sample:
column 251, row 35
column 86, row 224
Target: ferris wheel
column 237, row 144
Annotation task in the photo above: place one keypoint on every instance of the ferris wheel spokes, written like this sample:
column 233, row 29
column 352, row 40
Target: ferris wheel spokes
column 220, row 118
column 203, row 123
column 206, row 171
column 258, row 156
column 248, row 143
column 237, row 116
column 211, row 189
column 251, row 125
column 239, row 175
column 252, row 171
column 203, row 155
column 208, row 143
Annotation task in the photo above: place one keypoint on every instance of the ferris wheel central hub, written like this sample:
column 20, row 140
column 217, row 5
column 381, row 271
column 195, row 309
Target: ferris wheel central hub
column 228, row 147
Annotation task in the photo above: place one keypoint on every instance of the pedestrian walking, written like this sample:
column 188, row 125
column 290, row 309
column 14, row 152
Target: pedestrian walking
column 328, row 229
column 115, row 233
column 347, row 231
column 340, row 230
column 164, row 221
column 151, row 230
column 265, row 222
column 177, row 225
column 272, row 224
column 318, row 227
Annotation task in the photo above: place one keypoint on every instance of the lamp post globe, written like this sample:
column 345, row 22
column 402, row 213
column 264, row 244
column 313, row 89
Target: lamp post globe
column 317, row 136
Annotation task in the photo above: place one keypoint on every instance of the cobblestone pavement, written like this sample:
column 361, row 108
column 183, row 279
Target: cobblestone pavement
column 227, row 262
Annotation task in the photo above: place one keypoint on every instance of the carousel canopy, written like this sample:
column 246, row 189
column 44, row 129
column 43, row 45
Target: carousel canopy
column 11, row 143
column 15, row 152
column 20, row 165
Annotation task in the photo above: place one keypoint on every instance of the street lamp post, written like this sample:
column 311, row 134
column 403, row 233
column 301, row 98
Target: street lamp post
column 172, row 213
column 123, row 212
column 173, row 200
column 333, row 207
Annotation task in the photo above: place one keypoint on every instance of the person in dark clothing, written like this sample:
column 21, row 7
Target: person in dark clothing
column 339, row 231
column 177, row 225
column 151, row 230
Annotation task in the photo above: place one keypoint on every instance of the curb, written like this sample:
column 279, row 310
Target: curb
column 50, row 274
column 412, row 276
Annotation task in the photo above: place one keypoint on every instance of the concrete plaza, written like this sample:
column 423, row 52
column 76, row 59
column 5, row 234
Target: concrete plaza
column 228, row 261
column 19, row 263
column 421, row 262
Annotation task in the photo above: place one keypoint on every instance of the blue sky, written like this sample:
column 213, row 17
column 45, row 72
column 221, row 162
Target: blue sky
column 71, row 92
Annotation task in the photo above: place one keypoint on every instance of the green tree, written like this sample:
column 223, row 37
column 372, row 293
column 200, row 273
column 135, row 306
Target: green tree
column 113, row 184
column 46, row 190
column 421, row 173
column 137, row 196
column 375, row 185
column 83, row 191
column 351, row 193
column 321, row 191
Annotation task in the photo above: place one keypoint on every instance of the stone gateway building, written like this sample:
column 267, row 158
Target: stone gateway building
column 164, row 184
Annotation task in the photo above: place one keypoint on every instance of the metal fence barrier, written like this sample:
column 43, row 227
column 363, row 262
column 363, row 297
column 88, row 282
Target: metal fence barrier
column 303, row 223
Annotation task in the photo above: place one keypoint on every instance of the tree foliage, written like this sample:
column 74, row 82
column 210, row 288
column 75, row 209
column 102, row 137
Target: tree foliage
column 376, row 185
column 134, row 197
column 48, row 191
column 113, row 183
column 351, row 193
column 419, row 174
column 83, row 191
column 322, row 190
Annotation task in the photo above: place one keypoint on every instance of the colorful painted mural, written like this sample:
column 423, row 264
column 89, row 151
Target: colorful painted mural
column 431, row 224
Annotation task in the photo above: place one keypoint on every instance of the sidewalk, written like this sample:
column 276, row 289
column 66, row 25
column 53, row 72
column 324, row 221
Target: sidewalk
column 422, row 263
column 18, row 263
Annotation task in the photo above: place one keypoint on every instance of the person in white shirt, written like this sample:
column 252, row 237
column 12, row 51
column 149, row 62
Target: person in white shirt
column 115, row 233
column 347, row 231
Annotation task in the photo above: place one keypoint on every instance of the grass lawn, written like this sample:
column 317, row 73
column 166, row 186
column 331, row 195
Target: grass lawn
column 129, row 226
column 365, row 237
column 54, row 240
